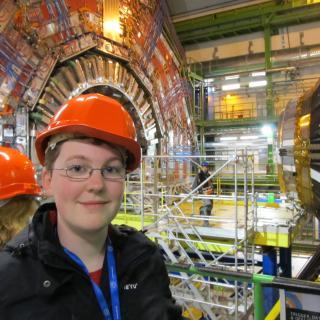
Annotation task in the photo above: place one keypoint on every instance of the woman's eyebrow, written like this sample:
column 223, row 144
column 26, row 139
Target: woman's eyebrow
column 115, row 158
column 80, row 157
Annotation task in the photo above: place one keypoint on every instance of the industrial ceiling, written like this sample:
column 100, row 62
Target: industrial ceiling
column 200, row 21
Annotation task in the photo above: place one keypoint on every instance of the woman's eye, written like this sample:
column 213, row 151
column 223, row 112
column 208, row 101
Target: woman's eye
column 111, row 169
column 77, row 168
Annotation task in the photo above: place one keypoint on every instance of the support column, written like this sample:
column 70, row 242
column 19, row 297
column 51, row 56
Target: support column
column 202, row 104
column 286, row 262
column 270, row 164
column 268, row 66
column 202, row 148
column 269, row 91
column 269, row 265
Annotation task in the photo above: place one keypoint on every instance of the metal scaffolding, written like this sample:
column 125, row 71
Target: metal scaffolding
column 168, row 209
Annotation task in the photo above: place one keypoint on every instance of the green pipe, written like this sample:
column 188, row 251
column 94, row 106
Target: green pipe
column 223, row 71
column 254, row 122
column 195, row 76
column 259, row 280
column 210, row 272
column 268, row 66
column 258, row 302
column 270, row 167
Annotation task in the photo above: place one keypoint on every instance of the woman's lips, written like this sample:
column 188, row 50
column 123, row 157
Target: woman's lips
column 93, row 204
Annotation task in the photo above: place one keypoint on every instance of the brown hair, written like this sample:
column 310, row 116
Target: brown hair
column 14, row 216
column 52, row 154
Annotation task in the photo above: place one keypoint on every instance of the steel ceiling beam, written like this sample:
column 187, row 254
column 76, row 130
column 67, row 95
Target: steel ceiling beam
column 245, row 20
column 235, row 123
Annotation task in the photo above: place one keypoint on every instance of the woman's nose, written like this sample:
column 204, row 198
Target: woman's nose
column 96, row 180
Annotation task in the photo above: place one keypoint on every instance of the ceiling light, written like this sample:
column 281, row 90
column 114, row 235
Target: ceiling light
column 255, row 84
column 235, row 76
column 267, row 130
column 228, row 138
column 258, row 74
column 249, row 137
column 243, row 144
column 231, row 86
column 315, row 53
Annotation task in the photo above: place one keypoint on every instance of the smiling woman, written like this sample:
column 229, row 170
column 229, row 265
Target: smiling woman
column 86, row 267
column 88, row 202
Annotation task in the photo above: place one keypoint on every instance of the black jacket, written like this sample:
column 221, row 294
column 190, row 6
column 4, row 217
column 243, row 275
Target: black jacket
column 38, row 281
column 199, row 178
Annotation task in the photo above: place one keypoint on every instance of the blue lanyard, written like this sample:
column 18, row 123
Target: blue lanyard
column 113, row 283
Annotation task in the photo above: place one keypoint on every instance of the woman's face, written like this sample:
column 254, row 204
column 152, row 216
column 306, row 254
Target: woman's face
column 87, row 205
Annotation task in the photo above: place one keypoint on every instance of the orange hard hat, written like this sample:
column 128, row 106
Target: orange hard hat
column 18, row 176
column 94, row 115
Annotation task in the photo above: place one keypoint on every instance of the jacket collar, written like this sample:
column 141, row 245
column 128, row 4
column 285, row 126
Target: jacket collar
column 41, row 237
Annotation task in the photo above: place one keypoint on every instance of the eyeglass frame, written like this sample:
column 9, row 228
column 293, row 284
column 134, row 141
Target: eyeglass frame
column 122, row 178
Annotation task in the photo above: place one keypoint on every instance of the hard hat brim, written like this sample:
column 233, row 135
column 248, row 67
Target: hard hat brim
column 133, row 148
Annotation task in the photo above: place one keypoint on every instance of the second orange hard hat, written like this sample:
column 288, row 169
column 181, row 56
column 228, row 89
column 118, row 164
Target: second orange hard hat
column 97, row 116
column 18, row 176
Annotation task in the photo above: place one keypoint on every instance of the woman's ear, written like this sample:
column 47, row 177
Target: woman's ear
column 46, row 177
